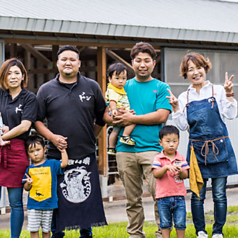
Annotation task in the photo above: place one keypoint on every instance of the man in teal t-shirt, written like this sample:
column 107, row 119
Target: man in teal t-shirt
column 147, row 96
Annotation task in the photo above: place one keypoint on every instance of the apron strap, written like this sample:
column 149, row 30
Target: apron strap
column 205, row 146
column 187, row 95
column 212, row 100
column 187, row 100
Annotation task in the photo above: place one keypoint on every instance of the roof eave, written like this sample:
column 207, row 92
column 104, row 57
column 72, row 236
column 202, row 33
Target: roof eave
column 103, row 29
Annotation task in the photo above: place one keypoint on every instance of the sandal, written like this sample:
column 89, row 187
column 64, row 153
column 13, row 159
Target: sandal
column 111, row 151
column 127, row 140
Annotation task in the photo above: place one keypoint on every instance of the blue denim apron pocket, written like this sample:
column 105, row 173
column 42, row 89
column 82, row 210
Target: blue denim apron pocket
column 211, row 152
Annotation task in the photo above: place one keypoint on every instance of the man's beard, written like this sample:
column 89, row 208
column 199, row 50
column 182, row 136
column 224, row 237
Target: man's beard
column 67, row 74
column 144, row 77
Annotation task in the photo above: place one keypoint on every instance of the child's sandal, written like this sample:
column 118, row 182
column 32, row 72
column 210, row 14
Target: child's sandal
column 127, row 140
column 111, row 151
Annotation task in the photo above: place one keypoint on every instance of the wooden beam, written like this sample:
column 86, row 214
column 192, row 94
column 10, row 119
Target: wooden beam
column 38, row 55
column 119, row 59
column 88, row 68
column 66, row 42
column 81, row 48
column 55, row 70
column 102, row 140
column 158, row 59
column 42, row 71
column 35, row 76
column 102, row 68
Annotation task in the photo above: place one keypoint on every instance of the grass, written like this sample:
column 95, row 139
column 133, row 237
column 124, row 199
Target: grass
column 118, row 230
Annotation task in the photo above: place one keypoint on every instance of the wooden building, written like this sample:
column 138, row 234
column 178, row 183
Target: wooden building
column 104, row 31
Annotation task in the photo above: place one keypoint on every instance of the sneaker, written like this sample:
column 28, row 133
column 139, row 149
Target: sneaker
column 111, row 151
column 202, row 234
column 217, row 236
column 127, row 140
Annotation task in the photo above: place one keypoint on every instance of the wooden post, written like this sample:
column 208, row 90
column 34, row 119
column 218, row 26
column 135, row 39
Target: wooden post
column 27, row 63
column 55, row 49
column 13, row 50
column 102, row 140
column 27, row 60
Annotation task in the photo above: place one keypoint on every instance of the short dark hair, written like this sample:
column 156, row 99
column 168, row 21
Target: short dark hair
column 116, row 67
column 143, row 47
column 168, row 130
column 68, row 47
column 33, row 140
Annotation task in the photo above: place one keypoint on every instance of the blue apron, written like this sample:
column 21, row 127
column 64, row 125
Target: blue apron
column 209, row 137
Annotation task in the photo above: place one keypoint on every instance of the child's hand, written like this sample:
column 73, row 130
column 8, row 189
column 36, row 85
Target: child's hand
column 28, row 179
column 173, row 169
column 62, row 150
column 59, row 141
column 5, row 129
column 178, row 169
column 114, row 112
column 4, row 142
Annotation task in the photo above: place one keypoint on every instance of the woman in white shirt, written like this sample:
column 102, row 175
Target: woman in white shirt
column 201, row 110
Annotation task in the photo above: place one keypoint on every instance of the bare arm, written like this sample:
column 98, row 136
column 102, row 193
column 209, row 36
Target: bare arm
column 97, row 130
column 152, row 118
column 43, row 130
column 18, row 130
column 173, row 101
column 27, row 186
column 58, row 140
column 159, row 173
column 107, row 118
column 65, row 158
column 113, row 106
column 183, row 174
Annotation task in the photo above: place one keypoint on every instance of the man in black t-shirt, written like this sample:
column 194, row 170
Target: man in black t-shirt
column 73, row 106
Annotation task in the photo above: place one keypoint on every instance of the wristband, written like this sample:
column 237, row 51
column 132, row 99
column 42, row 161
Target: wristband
column 230, row 94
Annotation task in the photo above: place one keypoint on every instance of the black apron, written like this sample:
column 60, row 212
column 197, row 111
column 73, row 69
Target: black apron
column 80, row 202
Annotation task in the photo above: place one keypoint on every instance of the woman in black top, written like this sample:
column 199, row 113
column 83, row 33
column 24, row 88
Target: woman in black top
column 18, row 109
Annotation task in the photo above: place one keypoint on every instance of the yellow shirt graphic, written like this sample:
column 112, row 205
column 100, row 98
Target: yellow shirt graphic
column 41, row 186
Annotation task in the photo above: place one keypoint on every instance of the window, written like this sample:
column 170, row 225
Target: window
column 222, row 61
